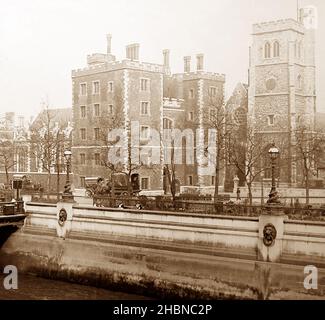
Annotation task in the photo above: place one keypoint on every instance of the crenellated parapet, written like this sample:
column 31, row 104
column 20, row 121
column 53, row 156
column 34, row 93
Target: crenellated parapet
column 118, row 65
column 200, row 75
column 173, row 103
column 277, row 26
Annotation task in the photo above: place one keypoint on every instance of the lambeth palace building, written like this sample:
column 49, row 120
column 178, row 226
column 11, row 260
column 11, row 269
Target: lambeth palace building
column 110, row 94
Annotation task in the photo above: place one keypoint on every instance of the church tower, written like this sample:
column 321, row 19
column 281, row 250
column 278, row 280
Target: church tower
column 282, row 82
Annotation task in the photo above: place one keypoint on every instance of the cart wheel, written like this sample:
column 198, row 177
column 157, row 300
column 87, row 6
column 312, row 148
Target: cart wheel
column 89, row 194
column 138, row 206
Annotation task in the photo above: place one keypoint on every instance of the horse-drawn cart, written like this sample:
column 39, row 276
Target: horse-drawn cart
column 116, row 192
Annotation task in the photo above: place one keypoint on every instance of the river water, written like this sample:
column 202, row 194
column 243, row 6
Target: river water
column 35, row 288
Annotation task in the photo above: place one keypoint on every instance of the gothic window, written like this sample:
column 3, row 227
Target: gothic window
column 270, row 84
column 299, row 82
column 267, row 50
column 167, row 126
column 276, row 49
column 270, row 119
column 167, row 123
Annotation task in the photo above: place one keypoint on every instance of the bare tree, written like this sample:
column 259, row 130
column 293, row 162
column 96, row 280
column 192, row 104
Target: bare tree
column 47, row 145
column 253, row 150
column 308, row 146
column 7, row 157
column 170, row 172
column 217, row 118
column 110, row 121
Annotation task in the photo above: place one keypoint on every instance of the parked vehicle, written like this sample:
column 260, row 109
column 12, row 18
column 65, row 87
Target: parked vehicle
column 105, row 192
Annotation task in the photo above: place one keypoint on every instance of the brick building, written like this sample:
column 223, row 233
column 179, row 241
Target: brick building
column 23, row 156
column 282, row 84
column 109, row 94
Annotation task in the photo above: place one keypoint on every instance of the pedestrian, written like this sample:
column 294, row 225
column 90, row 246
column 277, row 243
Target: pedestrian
column 238, row 194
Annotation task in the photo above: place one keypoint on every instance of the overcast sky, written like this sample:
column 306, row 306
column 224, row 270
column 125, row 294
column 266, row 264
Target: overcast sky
column 41, row 41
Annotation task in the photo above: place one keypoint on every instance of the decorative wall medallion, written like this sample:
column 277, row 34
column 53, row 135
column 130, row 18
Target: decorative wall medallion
column 269, row 235
column 62, row 217
column 270, row 84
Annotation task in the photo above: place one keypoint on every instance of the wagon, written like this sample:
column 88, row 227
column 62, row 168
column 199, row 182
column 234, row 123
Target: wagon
column 114, row 192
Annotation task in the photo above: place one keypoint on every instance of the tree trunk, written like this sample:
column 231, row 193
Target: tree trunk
column 7, row 175
column 48, row 184
column 306, row 181
column 216, row 182
column 250, row 195
column 307, row 189
column 58, row 181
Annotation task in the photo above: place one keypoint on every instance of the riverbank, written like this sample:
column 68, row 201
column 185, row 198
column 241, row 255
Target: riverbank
column 152, row 269
column 36, row 288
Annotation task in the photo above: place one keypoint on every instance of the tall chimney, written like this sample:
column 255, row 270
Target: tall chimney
column 21, row 121
column 132, row 51
column 187, row 64
column 199, row 62
column 166, row 58
column 109, row 43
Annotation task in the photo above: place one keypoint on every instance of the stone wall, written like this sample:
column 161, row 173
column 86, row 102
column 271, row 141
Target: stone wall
column 169, row 254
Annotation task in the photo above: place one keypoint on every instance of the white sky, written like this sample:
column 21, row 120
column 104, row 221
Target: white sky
column 41, row 41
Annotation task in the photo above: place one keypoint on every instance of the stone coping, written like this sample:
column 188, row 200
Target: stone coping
column 185, row 214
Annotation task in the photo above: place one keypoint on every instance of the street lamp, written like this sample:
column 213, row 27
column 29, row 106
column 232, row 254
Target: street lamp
column 67, row 188
column 273, row 153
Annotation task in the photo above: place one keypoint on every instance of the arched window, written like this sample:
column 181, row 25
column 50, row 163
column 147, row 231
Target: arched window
column 267, row 50
column 276, row 49
column 167, row 126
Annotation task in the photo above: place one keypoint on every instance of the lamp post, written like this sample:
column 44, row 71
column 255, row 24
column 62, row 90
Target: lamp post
column 262, row 188
column 67, row 194
column 273, row 153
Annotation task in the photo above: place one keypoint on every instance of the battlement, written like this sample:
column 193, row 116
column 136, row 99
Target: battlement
column 278, row 25
column 96, row 58
column 200, row 75
column 173, row 103
column 118, row 65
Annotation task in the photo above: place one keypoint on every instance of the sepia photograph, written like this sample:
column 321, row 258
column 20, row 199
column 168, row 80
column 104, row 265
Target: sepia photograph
column 162, row 151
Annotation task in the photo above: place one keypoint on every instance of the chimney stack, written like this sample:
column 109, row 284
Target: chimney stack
column 109, row 44
column 166, row 58
column 10, row 118
column 132, row 51
column 21, row 121
column 187, row 64
column 199, row 62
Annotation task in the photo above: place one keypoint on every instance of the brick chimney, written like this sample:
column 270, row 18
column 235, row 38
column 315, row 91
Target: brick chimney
column 166, row 58
column 21, row 121
column 109, row 43
column 199, row 62
column 187, row 64
column 132, row 51
column 10, row 118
